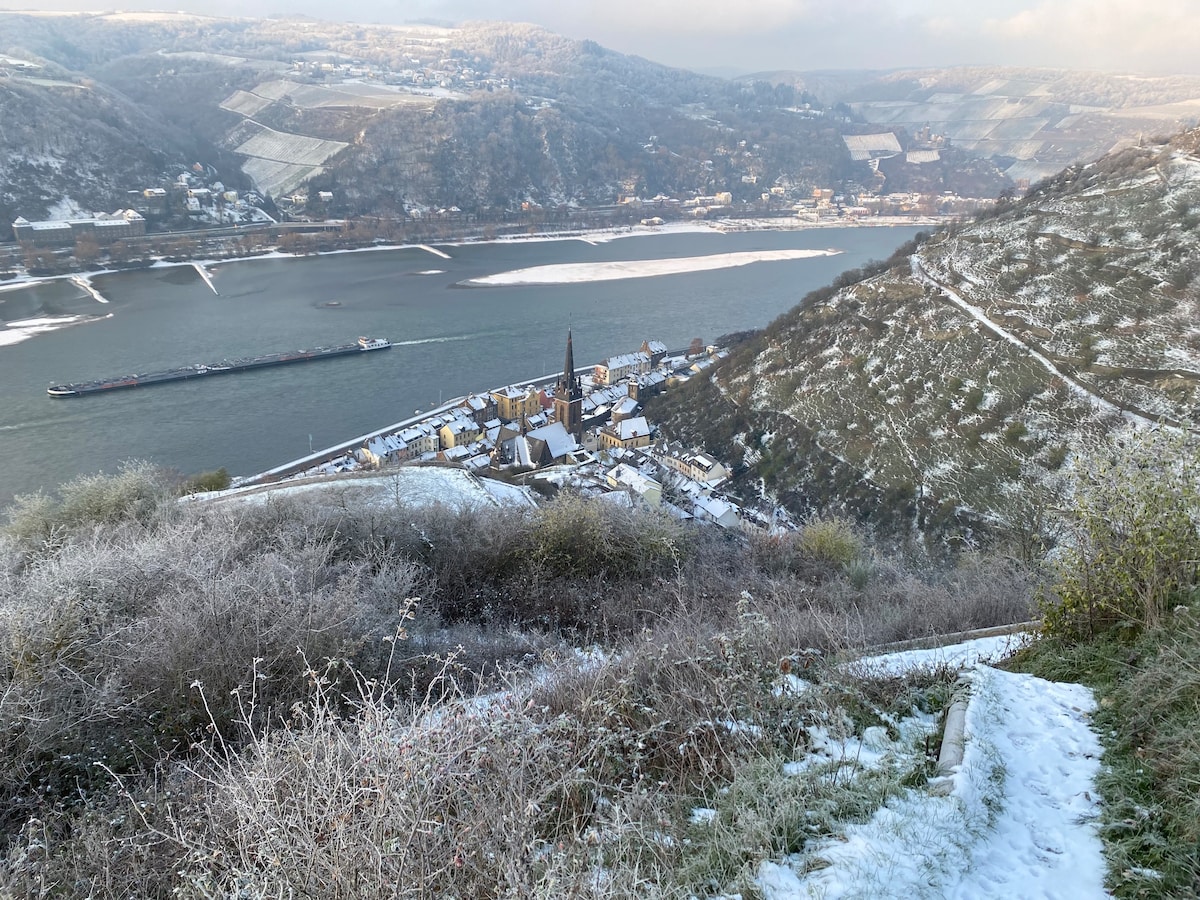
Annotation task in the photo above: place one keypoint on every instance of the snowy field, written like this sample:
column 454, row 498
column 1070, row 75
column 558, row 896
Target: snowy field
column 405, row 486
column 579, row 273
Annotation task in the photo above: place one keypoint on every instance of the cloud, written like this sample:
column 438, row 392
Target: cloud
column 1128, row 34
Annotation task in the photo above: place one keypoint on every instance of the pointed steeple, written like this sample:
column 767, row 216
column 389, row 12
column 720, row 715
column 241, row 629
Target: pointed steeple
column 569, row 382
column 568, row 398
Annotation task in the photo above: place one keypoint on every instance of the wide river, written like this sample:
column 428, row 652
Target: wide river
column 450, row 340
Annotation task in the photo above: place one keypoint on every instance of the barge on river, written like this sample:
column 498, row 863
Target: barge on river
column 78, row 389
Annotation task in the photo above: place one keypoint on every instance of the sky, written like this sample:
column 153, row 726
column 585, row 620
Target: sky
column 1155, row 37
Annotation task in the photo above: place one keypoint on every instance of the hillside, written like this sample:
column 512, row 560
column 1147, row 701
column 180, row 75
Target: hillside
column 948, row 387
column 71, row 142
column 406, row 119
column 505, row 120
column 1030, row 122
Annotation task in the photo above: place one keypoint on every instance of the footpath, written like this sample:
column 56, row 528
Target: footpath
column 1013, row 814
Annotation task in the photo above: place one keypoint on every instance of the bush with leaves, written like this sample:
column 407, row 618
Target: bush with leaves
column 1133, row 536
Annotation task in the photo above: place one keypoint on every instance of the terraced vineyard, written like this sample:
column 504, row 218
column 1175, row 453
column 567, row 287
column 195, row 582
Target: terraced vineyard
column 956, row 382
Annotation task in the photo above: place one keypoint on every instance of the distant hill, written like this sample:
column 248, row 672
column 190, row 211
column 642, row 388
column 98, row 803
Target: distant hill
column 396, row 119
column 67, row 141
column 1031, row 122
column 504, row 119
column 950, row 385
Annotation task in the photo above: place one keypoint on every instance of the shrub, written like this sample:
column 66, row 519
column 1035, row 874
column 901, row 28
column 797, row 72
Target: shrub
column 577, row 537
column 1133, row 539
column 218, row 480
column 137, row 492
column 832, row 541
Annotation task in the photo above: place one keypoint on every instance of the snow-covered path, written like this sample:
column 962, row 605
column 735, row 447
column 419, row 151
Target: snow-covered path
column 1043, row 844
column 1016, row 822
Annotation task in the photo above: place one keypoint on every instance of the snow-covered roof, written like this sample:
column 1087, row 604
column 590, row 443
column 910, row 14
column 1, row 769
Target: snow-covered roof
column 413, row 434
column 558, row 440
column 625, row 360
column 512, row 393
column 626, row 474
column 476, row 404
column 872, row 143
column 627, row 429
column 713, row 507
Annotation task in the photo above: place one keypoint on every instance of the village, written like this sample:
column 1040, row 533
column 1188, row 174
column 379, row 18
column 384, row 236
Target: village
column 585, row 433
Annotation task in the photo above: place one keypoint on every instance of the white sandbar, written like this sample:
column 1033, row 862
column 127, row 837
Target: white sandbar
column 580, row 273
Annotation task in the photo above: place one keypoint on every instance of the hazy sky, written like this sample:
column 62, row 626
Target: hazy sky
column 1150, row 36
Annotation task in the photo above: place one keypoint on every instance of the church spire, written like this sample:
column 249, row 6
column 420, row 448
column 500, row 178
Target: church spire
column 568, row 398
column 569, row 385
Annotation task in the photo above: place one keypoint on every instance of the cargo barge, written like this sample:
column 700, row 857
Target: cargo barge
column 78, row 389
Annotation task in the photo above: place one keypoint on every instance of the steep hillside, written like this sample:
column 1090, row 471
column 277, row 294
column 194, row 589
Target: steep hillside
column 481, row 117
column 68, row 141
column 954, row 382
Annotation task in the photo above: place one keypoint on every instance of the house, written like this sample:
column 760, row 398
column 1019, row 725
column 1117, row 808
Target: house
column 459, row 454
column 646, row 386
column 513, row 404
column 421, row 439
column 624, row 475
column 479, row 408
column 618, row 368
column 383, row 449
column 546, row 446
column 459, row 431
column 697, row 466
column 551, row 444
column 656, row 350
column 713, row 509
column 625, row 409
column 626, row 434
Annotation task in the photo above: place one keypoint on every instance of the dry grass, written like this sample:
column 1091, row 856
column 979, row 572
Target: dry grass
column 202, row 702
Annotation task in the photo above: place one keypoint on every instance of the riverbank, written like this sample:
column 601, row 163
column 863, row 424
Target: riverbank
column 587, row 235
column 447, row 340
column 22, row 329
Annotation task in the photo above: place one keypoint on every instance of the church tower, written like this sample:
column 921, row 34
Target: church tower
column 568, row 397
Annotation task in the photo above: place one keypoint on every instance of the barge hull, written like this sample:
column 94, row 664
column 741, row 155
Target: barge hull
column 225, row 367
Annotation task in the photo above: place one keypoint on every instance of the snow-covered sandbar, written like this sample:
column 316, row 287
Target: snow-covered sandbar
column 579, row 273
column 23, row 329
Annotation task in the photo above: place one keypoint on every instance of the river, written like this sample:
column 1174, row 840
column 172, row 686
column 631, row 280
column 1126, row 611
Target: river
column 450, row 339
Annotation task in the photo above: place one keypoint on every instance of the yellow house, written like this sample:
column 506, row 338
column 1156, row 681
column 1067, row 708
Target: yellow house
column 513, row 404
column 459, row 432
column 627, row 434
